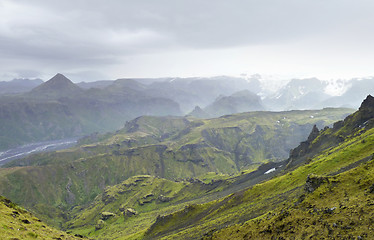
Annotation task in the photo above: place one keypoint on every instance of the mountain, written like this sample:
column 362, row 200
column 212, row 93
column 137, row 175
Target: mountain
column 242, row 101
column 298, row 94
column 352, row 97
column 254, row 175
column 20, row 85
column 191, row 92
column 319, row 141
column 58, row 86
column 95, row 84
column 329, row 196
column 173, row 148
column 59, row 109
column 199, row 113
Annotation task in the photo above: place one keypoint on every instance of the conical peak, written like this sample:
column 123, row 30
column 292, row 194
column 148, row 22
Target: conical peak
column 57, row 86
column 60, row 78
column 60, row 81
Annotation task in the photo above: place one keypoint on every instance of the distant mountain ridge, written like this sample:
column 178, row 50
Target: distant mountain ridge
column 59, row 109
column 19, row 85
column 238, row 102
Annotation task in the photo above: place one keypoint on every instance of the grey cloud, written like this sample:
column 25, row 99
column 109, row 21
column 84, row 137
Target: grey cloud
column 86, row 33
column 212, row 23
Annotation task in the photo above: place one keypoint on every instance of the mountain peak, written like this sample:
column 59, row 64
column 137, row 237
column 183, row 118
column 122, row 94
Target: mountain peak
column 57, row 86
column 60, row 78
column 368, row 103
column 198, row 113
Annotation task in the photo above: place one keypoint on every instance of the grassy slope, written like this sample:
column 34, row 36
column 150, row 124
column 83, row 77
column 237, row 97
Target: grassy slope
column 274, row 195
column 17, row 223
column 149, row 196
column 54, row 182
column 341, row 209
column 152, row 197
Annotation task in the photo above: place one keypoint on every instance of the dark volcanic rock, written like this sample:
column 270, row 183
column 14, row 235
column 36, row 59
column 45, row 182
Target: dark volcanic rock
column 313, row 182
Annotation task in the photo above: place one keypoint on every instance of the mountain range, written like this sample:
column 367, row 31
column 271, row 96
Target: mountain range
column 262, row 175
column 19, row 85
column 59, row 109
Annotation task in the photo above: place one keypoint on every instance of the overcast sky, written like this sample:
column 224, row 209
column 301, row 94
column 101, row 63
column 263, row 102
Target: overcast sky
column 90, row 39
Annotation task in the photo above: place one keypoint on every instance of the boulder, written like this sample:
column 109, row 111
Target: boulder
column 313, row 182
column 163, row 198
column 107, row 215
column 129, row 212
column 100, row 224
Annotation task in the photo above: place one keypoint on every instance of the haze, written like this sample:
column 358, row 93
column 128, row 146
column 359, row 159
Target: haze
column 92, row 40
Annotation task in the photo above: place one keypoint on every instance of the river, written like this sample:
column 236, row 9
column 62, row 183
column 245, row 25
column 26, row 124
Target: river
column 47, row 146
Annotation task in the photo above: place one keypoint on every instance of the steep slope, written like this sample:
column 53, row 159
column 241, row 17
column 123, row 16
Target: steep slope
column 328, row 196
column 24, row 121
column 341, row 207
column 17, row 223
column 353, row 125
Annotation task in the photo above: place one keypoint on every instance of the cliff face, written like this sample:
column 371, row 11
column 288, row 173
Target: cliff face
column 352, row 125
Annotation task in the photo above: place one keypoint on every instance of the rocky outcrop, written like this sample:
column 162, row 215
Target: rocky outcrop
column 107, row 198
column 163, row 198
column 100, row 224
column 313, row 182
column 129, row 212
column 299, row 153
column 341, row 130
column 107, row 215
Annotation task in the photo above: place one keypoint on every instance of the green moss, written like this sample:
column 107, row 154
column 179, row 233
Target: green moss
column 172, row 148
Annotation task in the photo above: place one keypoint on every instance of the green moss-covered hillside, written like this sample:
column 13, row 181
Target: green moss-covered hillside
column 62, row 186
column 329, row 196
column 168, row 147
column 17, row 223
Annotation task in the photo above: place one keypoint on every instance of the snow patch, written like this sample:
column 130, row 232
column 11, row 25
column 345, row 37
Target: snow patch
column 270, row 171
